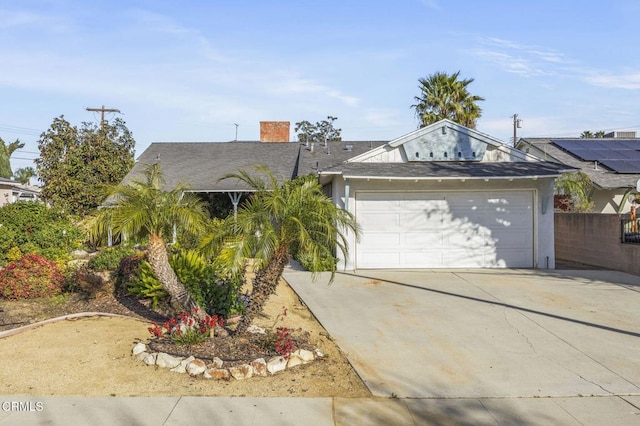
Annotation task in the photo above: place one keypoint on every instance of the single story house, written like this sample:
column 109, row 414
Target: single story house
column 12, row 191
column 612, row 163
column 444, row 196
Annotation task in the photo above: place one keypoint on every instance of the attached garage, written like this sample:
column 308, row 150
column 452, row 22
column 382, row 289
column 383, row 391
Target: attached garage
column 445, row 230
column 446, row 196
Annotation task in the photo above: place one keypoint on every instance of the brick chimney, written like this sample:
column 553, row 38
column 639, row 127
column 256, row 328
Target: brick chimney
column 274, row 131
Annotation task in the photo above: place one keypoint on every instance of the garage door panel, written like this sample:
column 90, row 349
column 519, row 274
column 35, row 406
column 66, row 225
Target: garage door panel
column 423, row 240
column 375, row 220
column 438, row 230
column 422, row 259
column 381, row 240
column 464, row 259
column 464, row 241
column 390, row 259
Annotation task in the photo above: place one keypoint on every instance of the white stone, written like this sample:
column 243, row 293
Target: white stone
column 217, row 362
column 139, row 348
column 150, row 359
column 182, row 367
column 259, row 367
column 305, row 355
column 276, row 364
column 179, row 369
column 195, row 367
column 256, row 330
column 241, row 372
column 317, row 353
column 142, row 355
column 294, row 361
column 167, row 361
column 217, row 374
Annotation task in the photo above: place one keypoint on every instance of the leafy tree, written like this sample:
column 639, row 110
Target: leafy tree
column 444, row 96
column 277, row 219
column 78, row 166
column 5, row 154
column 24, row 175
column 144, row 209
column 578, row 187
column 322, row 131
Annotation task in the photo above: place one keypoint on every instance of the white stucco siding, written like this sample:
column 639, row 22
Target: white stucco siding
column 5, row 196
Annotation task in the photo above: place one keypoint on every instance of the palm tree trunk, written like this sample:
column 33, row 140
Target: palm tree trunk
column 264, row 285
column 158, row 258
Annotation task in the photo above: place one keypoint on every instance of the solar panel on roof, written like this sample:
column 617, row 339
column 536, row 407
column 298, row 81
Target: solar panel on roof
column 631, row 144
column 597, row 145
column 622, row 166
column 586, row 155
column 633, row 155
column 621, row 155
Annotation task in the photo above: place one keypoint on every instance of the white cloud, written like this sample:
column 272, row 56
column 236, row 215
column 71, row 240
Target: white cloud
column 512, row 64
column 521, row 59
column 303, row 86
column 629, row 81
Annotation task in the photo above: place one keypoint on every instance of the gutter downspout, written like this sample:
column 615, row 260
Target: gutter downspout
column 346, row 194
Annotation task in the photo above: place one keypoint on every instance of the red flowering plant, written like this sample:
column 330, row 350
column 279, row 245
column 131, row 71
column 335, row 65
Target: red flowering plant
column 190, row 328
column 29, row 277
column 284, row 344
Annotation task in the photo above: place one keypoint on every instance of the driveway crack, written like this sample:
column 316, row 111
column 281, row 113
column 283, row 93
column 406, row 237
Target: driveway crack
column 524, row 336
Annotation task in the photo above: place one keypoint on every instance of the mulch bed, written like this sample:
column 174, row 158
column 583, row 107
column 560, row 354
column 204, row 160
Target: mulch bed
column 230, row 349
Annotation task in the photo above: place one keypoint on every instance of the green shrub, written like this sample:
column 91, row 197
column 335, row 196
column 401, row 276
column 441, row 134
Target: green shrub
column 145, row 285
column 222, row 293
column 128, row 268
column 36, row 228
column 206, row 283
column 109, row 258
column 192, row 270
column 30, row 276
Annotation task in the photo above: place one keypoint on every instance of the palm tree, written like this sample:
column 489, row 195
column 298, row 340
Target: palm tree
column 5, row 154
column 274, row 221
column 24, row 175
column 144, row 209
column 444, row 96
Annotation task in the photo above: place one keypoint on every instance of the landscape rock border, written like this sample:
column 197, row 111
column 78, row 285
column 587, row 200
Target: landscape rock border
column 196, row 367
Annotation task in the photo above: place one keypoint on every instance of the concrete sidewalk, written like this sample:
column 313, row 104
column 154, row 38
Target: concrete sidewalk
column 318, row 411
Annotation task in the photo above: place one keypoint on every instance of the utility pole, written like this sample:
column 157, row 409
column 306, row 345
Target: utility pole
column 516, row 125
column 102, row 111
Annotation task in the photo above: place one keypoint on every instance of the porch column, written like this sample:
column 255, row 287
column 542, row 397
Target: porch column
column 235, row 200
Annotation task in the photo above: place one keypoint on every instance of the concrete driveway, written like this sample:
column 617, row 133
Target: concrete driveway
column 484, row 333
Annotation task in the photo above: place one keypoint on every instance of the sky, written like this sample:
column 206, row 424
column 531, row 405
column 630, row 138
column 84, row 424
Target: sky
column 191, row 70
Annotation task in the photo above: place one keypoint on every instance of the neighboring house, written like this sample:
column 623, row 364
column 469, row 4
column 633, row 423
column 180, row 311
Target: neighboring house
column 444, row 196
column 612, row 163
column 12, row 191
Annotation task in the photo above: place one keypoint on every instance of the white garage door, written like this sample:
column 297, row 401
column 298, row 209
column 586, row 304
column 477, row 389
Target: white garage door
column 445, row 230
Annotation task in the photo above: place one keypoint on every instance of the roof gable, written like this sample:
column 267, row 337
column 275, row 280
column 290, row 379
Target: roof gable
column 443, row 141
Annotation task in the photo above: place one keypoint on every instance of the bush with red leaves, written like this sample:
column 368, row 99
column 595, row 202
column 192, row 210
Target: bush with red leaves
column 29, row 277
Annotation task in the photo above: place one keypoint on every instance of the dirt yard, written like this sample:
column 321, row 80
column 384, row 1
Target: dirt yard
column 92, row 356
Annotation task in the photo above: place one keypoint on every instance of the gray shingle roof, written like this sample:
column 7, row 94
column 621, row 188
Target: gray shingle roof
column 201, row 164
column 334, row 154
column 446, row 169
column 601, row 176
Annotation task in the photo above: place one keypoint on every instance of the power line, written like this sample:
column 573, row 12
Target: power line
column 102, row 111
